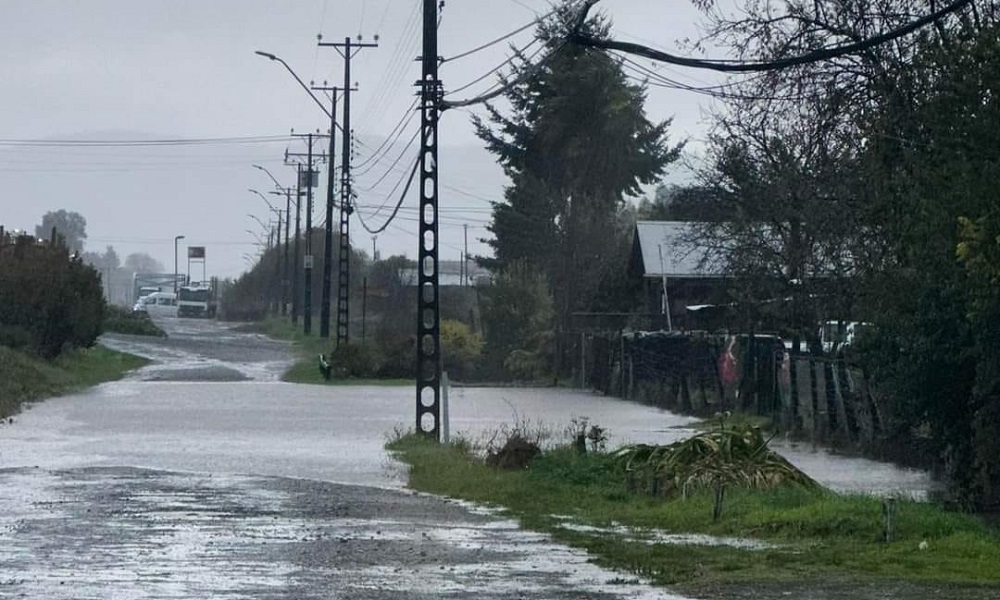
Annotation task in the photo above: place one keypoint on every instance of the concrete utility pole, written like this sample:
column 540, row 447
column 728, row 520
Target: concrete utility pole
column 324, row 311
column 288, row 225
column 347, row 50
column 278, row 283
column 428, row 314
column 277, row 265
column 296, row 290
column 287, row 193
column 310, row 181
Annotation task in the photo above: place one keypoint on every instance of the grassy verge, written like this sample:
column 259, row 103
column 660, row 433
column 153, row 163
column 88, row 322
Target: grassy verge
column 24, row 378
column 814, row 539
column 308, row 348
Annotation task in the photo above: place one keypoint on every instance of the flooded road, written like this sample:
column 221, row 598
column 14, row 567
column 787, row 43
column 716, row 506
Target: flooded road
column 203, row 475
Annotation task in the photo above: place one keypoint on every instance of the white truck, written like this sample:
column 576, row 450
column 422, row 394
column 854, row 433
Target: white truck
column 197, row 301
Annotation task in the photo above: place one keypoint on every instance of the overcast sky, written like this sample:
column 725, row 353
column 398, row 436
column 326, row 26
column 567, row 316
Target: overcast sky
column 183, row 69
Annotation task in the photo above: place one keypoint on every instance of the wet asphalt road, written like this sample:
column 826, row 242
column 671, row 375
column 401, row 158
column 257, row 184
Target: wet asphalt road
column 204, row 476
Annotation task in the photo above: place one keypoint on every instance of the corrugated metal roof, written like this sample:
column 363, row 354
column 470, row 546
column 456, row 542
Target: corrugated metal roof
column 681, row 257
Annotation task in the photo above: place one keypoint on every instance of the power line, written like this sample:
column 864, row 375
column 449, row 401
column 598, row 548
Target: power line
column 391, row 78
column 406, row 149
column 732, row 66
column 527, row 73
column 416, row 165
column 497, row 40
column 389, row 142
column 497, row 68
column 260, row 139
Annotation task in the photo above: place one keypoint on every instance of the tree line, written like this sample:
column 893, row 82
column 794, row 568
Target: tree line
column 116, row 274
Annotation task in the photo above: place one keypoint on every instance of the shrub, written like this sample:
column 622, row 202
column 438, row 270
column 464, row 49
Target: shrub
column 355, row 360
column 397, row 357
column 461, row 349
column 49, row 301
column 120, row 320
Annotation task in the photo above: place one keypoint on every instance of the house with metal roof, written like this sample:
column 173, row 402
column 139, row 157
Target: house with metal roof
column 676, row 270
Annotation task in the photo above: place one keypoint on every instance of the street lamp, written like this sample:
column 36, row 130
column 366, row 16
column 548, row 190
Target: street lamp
column 176, row 239
column 276, row 184
column 287, row 193
column 260, row 241
column 327, row 251
column 302, row 83
column 264, row 198
column 265, row 226
column 279, row 282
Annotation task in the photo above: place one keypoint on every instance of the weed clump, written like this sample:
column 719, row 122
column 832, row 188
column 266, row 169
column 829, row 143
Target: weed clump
column 736, row 456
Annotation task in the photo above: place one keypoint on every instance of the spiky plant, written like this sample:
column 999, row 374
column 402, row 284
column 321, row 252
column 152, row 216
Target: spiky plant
column 735, row 456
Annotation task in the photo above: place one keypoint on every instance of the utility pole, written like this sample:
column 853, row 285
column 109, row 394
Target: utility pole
column 296, row 291
column 324, row 311
column 428, row 315
column 347, row 50
column 287, row 192
column 465, row 256
column 277, row 265
column 288, row 225
column 307, row 262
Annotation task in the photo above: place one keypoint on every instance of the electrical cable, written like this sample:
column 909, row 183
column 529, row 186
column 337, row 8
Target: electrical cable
column 260, row 139
column 397, row 131
column 498, row 67
column 497, row 40
column 645, row 76
column 402, row 197
column 770, row 65
column 527, row 73
column 389, row 195
column 405, row 46
column 406, row 148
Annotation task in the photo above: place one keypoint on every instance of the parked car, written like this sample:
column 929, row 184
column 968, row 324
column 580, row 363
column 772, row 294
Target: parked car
column 158, row 304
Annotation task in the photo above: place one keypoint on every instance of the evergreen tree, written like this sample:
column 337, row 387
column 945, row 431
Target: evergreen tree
column 575, row 144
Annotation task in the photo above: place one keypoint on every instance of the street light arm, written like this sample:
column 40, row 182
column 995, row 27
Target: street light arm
column 264, row 198
column 302, row 83
column 256, row 236
column 276, row 184
column 262, row 224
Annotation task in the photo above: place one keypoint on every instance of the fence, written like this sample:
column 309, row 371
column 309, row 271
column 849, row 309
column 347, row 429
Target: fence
column 818, row 397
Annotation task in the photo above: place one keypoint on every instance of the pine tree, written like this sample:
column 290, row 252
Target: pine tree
column 575, row 144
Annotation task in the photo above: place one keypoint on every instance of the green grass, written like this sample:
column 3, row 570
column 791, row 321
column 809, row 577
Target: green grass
column 308, row 348
column 817, row 535
column 24, row 378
